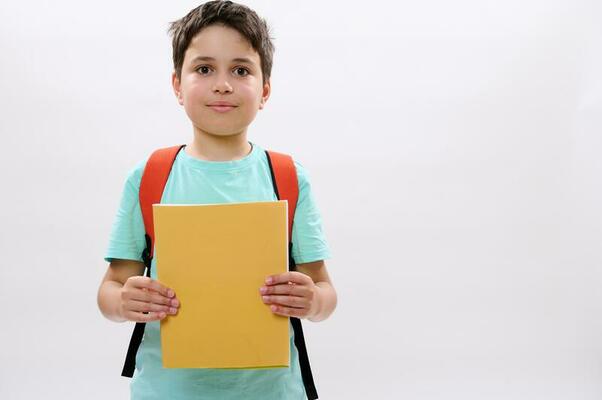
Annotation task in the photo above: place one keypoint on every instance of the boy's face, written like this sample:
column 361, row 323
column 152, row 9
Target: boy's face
column 222, row 78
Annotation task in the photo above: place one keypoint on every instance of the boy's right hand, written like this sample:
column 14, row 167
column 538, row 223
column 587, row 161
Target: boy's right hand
column 141, row 294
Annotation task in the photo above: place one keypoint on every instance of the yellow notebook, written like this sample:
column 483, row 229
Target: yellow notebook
column 216, row 257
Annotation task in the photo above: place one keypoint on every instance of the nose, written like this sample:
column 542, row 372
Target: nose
column 221, row 85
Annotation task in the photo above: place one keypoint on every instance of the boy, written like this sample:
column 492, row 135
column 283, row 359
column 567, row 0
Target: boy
column 222, row 63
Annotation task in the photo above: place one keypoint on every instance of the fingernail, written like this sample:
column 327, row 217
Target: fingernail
column 263, row 289
column 174, row 302
column 268, row 279
column 170, row 293
column 265, row 298
column 172, row 310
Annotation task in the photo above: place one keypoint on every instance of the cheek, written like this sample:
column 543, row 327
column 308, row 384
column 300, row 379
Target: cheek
column 194, row 94
column 192, row 85
column 250, row 93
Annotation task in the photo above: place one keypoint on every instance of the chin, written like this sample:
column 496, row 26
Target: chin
column 220, row 131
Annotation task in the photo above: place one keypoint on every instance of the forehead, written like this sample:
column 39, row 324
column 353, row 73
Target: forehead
column 221, row 43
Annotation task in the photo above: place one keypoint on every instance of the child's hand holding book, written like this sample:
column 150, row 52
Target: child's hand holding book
column 144, row 299
column 291, row 294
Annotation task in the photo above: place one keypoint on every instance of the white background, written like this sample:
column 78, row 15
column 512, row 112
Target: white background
column 454, row 150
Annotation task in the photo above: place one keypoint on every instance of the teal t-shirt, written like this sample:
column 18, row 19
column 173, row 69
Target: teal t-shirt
column 195, row 181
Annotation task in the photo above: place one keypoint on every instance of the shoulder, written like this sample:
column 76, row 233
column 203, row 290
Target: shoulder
column 134, row 175
column 302, row 174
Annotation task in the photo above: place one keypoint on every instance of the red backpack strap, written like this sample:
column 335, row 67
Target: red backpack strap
column 153, row 182
column 286, row 186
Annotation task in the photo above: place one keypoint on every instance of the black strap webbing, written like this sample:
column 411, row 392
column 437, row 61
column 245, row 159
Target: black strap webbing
column 308, row 379
column 130, row 359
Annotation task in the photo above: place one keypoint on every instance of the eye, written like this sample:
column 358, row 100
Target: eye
column 201, row 69
column 244, row 69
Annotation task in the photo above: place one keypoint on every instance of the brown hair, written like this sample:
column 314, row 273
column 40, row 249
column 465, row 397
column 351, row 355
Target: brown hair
column 227, row 13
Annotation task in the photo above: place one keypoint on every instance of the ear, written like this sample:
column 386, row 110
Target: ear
column 267, row 89
column 175, row 83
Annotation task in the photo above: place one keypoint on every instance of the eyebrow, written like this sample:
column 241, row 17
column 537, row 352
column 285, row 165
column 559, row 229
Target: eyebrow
column 239, row 59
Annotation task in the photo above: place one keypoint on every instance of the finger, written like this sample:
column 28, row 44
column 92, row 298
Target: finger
column 289, row 301
column 290, row 289
column 153, row 297
column 288, row 312
column 141, row 306
column 290, row 276
column 140, row 317
column 154, row 285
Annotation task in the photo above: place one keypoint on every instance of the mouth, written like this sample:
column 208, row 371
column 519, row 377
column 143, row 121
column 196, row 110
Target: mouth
column 221, row 108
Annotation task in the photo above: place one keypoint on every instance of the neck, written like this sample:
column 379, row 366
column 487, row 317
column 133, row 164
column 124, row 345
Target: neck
column 208, row 147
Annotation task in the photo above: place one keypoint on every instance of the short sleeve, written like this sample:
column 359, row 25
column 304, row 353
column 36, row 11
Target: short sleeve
column 127, row 232
column 309, row 241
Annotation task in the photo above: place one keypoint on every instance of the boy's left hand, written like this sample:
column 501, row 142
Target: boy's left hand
column 291, row 294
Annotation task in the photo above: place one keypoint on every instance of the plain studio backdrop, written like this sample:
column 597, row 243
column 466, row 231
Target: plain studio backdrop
column 454, row 150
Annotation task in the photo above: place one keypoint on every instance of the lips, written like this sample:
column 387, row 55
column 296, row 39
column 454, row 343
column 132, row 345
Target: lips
column 221, row 103
column 221, row 106
column 222, row 109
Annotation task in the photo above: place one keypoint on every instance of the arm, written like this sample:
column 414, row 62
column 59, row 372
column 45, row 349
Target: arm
column 109, row 297
column 325, row 295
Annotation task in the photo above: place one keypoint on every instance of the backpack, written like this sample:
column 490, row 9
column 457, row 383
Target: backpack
column 154, row 178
